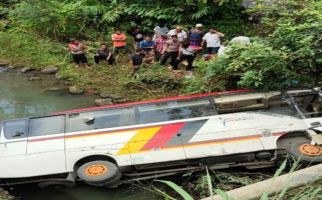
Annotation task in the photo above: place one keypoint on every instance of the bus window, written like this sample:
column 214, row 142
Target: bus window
column 175, row 110
column 95, row 120
column 15, row 129
column 309, row 104
column 46, row 126
column 240, row 102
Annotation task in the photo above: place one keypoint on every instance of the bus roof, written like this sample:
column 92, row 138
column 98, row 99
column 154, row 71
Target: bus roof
column 151, row 101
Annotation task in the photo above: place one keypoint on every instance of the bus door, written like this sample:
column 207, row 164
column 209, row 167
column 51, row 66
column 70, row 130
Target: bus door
column 46, row 145
column 13, row 146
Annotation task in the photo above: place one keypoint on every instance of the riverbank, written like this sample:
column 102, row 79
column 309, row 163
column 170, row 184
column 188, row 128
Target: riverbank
column 37, row 54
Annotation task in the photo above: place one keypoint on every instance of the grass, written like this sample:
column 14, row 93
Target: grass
column 23, row 49
column 221, row 181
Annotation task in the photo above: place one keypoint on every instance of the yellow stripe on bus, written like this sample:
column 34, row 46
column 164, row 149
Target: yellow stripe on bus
column 138, row 140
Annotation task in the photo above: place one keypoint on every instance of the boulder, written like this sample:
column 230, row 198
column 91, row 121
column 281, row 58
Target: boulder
column 115, row 97
column 58, row 76
column 34, row 78
column 105, row 95
column 55, row 89
column 25, row 69
column 103, row 102
column 75, row 90
column 11, row 67
column 68, row 83
column 119, row 101
column 4, row 63
column 50, row 70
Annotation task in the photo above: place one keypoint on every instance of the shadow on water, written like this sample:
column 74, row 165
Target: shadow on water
column 19, row 98
column 82, row 192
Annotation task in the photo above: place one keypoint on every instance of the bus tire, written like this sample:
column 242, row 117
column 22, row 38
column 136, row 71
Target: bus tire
column 305, row 151
column 98, row 172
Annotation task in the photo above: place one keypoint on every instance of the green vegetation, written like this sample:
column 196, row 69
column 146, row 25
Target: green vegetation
column 288, row 53
column 35, row 33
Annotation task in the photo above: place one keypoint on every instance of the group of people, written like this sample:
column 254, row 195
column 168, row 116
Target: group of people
column 164, row 46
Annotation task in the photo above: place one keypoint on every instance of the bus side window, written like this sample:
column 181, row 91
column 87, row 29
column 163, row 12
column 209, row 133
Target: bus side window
column 100, row 119
column 15, row 129
column 46, row 126
column 175, row 110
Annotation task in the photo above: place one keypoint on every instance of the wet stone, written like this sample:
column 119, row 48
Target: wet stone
column 119, row 101
column 115, row 97
column 105, row 95
column 25, row 69
column 58, row 76
column 103, row 102
column 50, row 70
column 4, row 63
column 34, row 78
column 75, row 90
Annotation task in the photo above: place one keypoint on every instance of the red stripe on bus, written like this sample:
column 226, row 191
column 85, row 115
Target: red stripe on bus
column 151, row 101
column 165, row 134
column 96, row 133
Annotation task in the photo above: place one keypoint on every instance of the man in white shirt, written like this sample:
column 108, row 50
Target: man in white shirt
column 159, row 30
column 182, row 35
column 212, row 38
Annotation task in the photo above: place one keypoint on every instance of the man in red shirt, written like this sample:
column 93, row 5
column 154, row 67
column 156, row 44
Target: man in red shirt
column 119, row 40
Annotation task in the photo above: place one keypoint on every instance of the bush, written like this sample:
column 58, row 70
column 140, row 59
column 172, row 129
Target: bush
column 26, row 50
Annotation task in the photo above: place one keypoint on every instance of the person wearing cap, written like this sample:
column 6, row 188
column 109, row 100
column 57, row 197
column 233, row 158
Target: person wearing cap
column 195, row 36
column 179, row 32
column 77, row 50
column 212, row 39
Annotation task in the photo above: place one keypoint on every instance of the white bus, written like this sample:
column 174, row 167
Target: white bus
column 104, row 146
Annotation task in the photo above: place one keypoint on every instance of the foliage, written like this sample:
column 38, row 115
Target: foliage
column 91, row 18
column 26, row 50
column 155, row 77
column 178, row 189
column 289, row 55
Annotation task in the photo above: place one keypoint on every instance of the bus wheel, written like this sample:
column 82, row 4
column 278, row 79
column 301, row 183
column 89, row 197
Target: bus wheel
column 99, row 173
column 305, row 151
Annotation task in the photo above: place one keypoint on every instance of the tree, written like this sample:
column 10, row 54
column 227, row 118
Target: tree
column 289, row 54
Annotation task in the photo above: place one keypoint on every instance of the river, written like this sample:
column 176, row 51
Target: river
column 20, row 98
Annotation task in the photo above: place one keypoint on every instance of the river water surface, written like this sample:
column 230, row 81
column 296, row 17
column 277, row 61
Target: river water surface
column 20, row 98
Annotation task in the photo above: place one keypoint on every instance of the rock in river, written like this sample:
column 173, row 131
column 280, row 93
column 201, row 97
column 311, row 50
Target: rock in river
column 50, row 70
column 75, row 90
column 4, row 63
column 103, row 102
column 25, row 69
column 34, row 78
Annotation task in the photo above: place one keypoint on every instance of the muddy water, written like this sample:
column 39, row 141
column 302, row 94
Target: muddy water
column 20, row 98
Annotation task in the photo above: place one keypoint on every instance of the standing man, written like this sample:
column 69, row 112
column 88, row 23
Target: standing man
column 103, row 53
column 119, row 40
column 159, row 30
column 195, row 36
column 179, row 32
column 171, row 51
column 77, row 50
column 160, row 45
column 212, row 38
